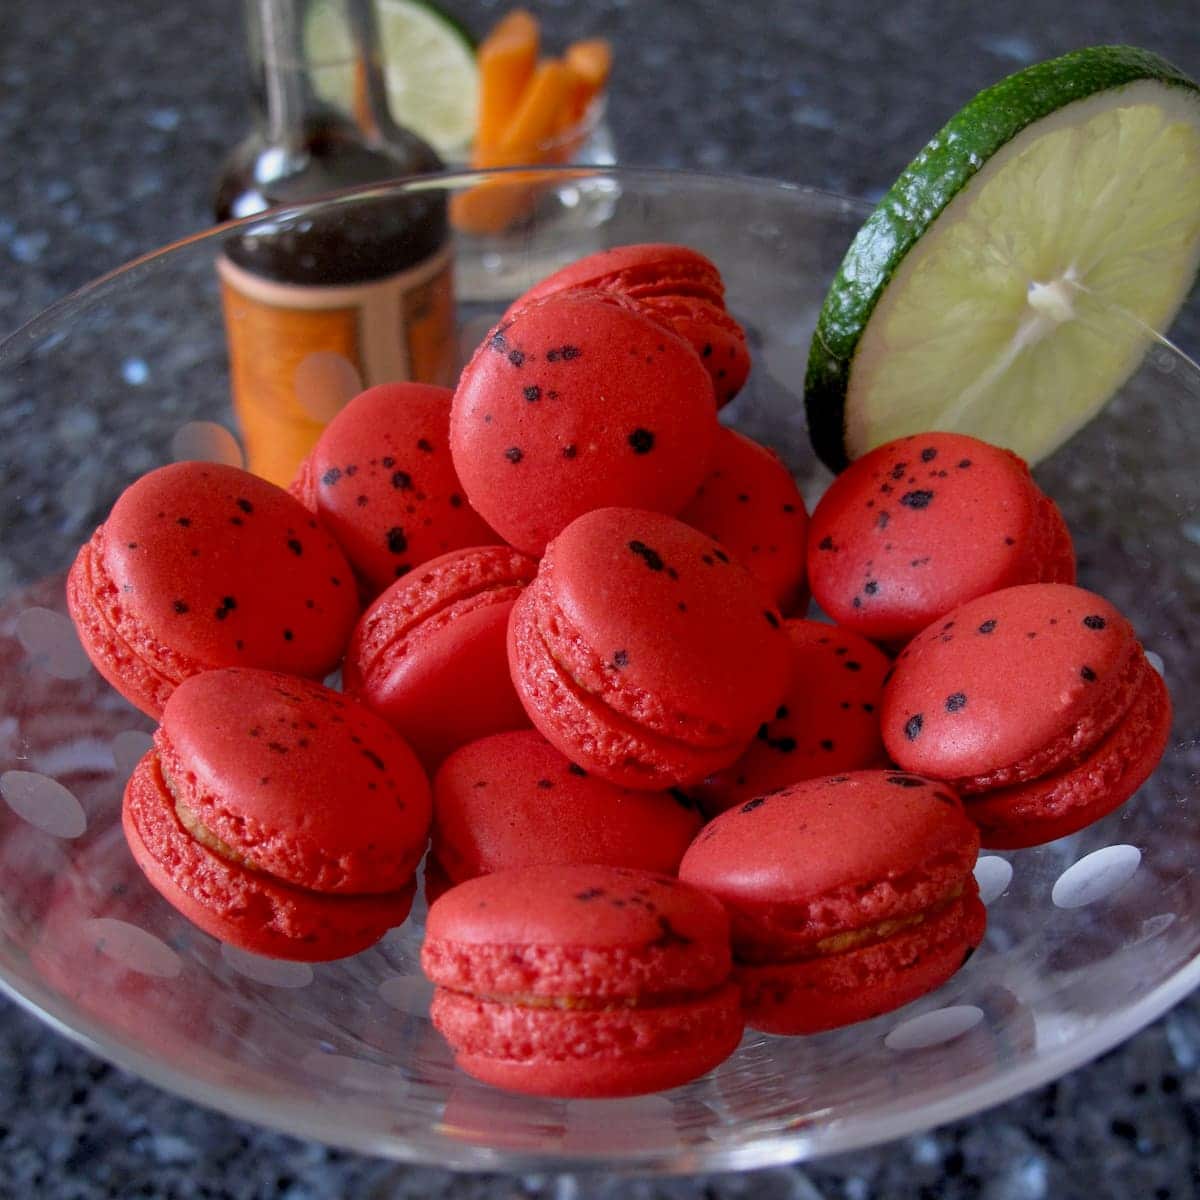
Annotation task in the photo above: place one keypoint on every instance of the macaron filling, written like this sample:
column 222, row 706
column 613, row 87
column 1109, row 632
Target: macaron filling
column 191, row 821
column 240, row 903
column 852, row 939
column 705, row 1025
column 843, row 940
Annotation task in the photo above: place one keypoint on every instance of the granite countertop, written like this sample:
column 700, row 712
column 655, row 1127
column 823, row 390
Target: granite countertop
column 114, row 118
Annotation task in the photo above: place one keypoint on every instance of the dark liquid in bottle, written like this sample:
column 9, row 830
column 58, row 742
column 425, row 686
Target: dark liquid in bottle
column 345, row 244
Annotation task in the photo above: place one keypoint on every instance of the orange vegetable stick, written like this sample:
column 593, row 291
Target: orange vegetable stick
column 495, row 204
column 591, row 61
column 506, row 60
column 536, row 118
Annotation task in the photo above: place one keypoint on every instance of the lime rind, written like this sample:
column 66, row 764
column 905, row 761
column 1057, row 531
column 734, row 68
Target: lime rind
column 963, row 149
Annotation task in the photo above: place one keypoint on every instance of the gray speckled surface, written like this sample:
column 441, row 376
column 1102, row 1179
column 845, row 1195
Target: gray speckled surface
column 114, row 118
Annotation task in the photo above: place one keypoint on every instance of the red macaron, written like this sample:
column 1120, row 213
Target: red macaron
column 575, row 402
column 429, row 655
column 644, row 652
column 924, row 524
column 278, row 815
column 675, row 285
column 850, row 896
column 827, row 721
column 200, row 566
column 1037, row 703
column 382, row 481
column 749, row 503
column 582, row 981
column 512, row 800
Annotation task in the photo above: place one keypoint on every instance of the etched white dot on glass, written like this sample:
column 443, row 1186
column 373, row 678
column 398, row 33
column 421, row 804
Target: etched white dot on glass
column 44, row 803
column 933, row 1028
column 133, row 947
column 50, row 640
column 1096, row 876
column 993, row 874
column 325, row 383
column 206, row 441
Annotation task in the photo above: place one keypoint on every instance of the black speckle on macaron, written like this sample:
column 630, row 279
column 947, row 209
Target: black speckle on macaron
column 642, row 441
column 913, row 726
column 988, row 626
column 1094, row 622
column 397, row 543
column 917, row 499
column 650, row 557
column 956, row 702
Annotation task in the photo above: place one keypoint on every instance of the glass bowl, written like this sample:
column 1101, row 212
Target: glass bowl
column 1089, row 938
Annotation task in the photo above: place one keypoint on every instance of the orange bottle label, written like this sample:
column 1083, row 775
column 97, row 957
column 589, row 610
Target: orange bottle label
column 298, row 353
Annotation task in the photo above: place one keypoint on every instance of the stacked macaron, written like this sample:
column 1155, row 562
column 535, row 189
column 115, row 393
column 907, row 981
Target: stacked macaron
column 573, row 600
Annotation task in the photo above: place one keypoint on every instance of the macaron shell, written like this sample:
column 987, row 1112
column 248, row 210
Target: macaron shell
column 560, row 1052
column 300, row 781
column 712, row 333
column 244, row 907
column 579, row 401
column 429, row 656
column 1011, row 685
column 1030, row 814
column 576, row 931
column 676, row 285
column 660, row 624
column 749, row 503
column 832, row 855
column 581, row 726
column 827, row 721
column 452, row 686
column 817, row 994
column 924, row 524
column 382, row 481
column 512, row 800
column 643, row 268
column 201, row 565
